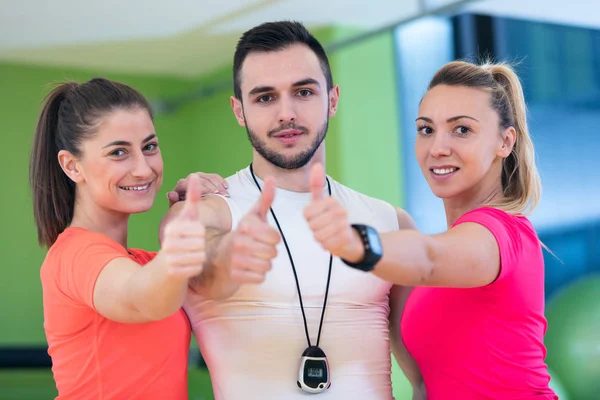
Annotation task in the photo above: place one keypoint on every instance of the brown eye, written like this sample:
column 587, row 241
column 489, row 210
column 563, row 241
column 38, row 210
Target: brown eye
column 151, row 147
column 264, row 99
column 425, row 130
column 118, row 152
column 304, row 92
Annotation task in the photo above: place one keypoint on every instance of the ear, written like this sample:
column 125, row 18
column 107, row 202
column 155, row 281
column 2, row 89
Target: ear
column 509, row 138
column 238, row 110
column 68, row 163
column 334, row 97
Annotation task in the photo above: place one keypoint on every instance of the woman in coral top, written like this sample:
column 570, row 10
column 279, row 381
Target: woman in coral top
column 475, row 321
column 112, row 315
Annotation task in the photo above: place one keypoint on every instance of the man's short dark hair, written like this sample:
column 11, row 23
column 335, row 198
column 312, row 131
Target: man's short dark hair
column 276, row 36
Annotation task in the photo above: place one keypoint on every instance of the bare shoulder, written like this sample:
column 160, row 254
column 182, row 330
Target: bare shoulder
column 405, row 221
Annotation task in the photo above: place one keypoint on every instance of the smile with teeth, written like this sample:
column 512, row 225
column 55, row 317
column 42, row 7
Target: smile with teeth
column 443, row 171
column 135, row 188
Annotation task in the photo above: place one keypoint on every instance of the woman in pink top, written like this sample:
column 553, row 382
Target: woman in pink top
column 475, row 322
column 112, row 315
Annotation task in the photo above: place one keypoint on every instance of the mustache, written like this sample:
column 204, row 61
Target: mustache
column 286, row 127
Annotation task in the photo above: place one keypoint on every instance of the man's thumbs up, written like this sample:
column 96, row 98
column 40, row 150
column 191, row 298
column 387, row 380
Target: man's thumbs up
column 266, row 199
column 317, row 181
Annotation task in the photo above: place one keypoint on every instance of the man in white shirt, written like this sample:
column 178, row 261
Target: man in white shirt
column 260, row 302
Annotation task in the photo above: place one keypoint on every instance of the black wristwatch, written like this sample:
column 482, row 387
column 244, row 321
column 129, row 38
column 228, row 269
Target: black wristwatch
column 373, row 248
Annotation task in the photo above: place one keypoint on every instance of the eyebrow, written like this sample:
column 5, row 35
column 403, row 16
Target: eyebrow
column 306, row 82
column 302, row 82
column 261, row 89
column 125, row 143
column 452, row 119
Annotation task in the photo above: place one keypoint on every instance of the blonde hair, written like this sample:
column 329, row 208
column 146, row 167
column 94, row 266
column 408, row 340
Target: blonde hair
column 521, row 183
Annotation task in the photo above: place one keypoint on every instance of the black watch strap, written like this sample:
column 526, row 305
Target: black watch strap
column 373, row 249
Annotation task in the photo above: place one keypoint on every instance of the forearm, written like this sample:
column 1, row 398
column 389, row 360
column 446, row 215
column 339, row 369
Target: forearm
column 408, row 258
column 170, row 214
column 154, row 292
column 398, row 297
column 215, row 280
column 406, row 362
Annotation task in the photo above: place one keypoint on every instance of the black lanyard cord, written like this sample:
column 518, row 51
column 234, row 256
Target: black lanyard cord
column 294, row 269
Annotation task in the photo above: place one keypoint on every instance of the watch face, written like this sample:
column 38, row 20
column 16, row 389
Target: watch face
column 374, row 241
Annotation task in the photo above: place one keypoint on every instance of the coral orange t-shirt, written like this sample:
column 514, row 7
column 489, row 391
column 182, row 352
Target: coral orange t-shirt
column 92, row 356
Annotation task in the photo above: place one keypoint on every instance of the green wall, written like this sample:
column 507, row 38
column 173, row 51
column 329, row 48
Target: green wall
column 366, row 136
column 194, row 138
column 365, row 142
column 362, row 151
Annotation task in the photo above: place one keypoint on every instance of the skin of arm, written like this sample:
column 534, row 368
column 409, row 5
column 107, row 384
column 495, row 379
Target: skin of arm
column 398, row 297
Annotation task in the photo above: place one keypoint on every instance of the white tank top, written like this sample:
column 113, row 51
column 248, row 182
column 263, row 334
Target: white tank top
column 252, row 342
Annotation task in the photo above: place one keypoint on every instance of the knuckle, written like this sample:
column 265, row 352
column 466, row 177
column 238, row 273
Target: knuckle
column 243, row 227
column 272, row 253
column 307, row 212
column 170, row 227
column 238, row 244
column 237, row 262
column 172, row 260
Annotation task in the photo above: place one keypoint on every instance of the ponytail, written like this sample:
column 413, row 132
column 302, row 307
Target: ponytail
column 70, row 114
column 53, row 192
column 520, row 178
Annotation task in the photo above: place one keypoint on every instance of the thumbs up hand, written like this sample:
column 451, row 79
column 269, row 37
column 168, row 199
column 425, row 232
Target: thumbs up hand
column 184, row 237
column 328, row 219
column 253, row 244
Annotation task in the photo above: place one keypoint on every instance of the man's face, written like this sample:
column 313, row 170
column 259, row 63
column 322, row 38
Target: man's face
column 285, row 104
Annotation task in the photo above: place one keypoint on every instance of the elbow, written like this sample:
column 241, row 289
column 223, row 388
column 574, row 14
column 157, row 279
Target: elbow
column 428, row 266
column 426, row 272
column 156, row 308
column 211, row 289
column 153, row 314
column 218, row 292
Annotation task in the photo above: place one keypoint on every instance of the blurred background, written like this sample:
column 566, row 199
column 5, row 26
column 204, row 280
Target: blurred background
column 383, row 53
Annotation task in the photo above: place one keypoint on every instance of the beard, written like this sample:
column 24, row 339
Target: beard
column 284, row 162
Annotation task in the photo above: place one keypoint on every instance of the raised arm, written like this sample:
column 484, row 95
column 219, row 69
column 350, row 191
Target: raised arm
column 463, row 257
column 127, row 292
column 234, row 257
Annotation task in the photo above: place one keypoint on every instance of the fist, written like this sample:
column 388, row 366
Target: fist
column 183, row 244
column 328, row 219
column 254, row 242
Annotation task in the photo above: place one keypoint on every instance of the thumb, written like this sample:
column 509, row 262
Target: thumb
column 266, row 198
column 192, row 197
column 317, row 181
